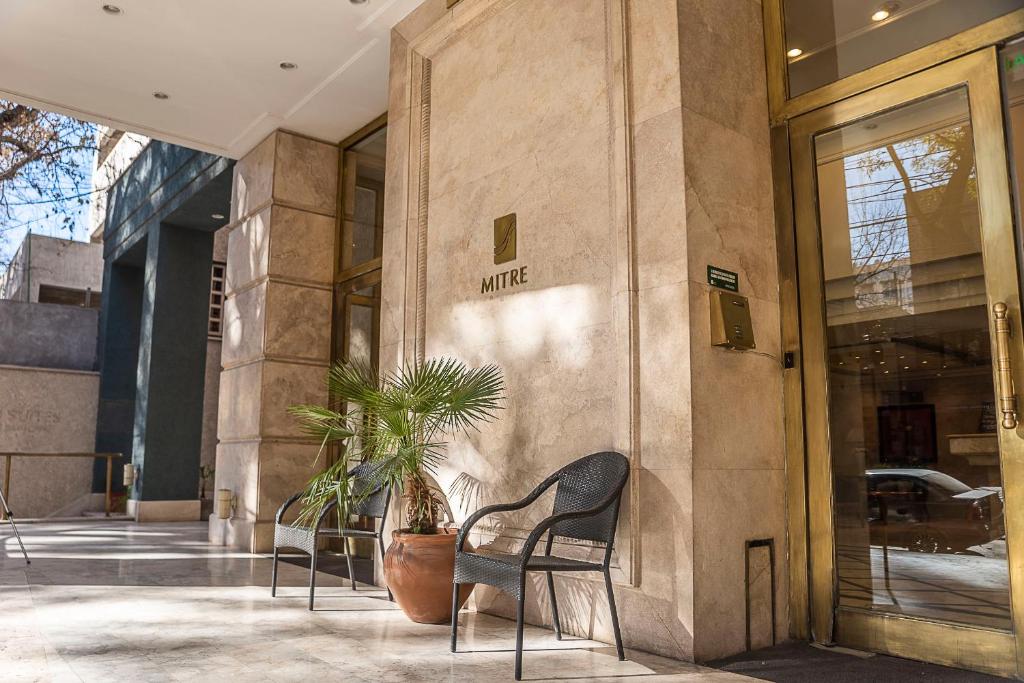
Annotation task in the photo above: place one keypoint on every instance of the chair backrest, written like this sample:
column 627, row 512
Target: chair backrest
column 376, row 503
column 583, row 484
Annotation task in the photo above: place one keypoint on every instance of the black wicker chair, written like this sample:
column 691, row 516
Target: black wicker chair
column 304, row 538
column 586, row 508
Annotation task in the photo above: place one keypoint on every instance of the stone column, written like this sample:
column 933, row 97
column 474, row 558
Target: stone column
column 277, row 328
column 171, row 364
column 119, row 359
column 738, row 443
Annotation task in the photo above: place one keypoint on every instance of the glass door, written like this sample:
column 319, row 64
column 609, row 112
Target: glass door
column 911, row 333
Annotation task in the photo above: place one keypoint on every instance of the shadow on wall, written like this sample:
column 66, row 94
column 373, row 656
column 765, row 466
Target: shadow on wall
column 649, row 622
column 560, row 354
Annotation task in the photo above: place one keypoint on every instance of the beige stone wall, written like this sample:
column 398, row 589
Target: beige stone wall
column 738, row 440
column 277, row 327
column 48, row 411
column 629, row 174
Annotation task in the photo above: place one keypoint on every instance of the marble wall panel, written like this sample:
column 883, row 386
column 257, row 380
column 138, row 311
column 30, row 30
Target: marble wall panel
column 738, row 435
column 729, row 217
column 277, row 327
column 284, row 470
column 287, row 384
column 253, row 179
column 662, row 235
column 306, row 173
column 722, row 52
column 238, row 468
column 301, row 245
column 238, row 412
column 508, row 73
column 730, row 507
column 244, row 325
column 297, row 324
column 248, row 251
column 526, row 116
column 654, row 48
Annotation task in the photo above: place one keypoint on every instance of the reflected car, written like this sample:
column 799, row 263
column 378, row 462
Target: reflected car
column 929, row 511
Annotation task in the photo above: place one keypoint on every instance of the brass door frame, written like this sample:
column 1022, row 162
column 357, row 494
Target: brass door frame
column 783, row 107
column 945, row 643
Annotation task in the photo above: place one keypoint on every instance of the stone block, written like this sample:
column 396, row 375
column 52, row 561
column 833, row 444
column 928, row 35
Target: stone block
column 301, row 245
column 297, row 324
column 253, row 179
column 306, row 173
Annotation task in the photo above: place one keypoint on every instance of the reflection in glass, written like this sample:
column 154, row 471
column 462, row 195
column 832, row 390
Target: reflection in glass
column 830, row 39
column 359, row 338
column 915, row 454
column 363, row 201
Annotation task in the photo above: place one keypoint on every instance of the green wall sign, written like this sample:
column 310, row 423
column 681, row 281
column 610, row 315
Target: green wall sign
column 723, row 279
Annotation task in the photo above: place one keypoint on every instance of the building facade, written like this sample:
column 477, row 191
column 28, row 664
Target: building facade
column 49, row 301
column 648, row 172
column 52, row 270
column 770, row 251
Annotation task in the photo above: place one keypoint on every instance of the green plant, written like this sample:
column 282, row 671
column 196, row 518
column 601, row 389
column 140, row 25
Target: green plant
column 400, row 421
column 206, row 474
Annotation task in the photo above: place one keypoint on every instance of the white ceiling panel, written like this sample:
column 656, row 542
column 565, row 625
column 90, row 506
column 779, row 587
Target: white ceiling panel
column 217, row 59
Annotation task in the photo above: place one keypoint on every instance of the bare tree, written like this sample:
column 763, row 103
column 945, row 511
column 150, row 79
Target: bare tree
column 44, row 163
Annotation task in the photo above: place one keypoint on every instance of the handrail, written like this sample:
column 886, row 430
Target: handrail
column 110, row 471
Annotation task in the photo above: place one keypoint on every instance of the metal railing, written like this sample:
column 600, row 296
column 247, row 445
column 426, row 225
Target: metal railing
column 110, row 471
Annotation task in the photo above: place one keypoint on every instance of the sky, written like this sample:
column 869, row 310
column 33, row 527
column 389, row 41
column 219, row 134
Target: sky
column 35, row 218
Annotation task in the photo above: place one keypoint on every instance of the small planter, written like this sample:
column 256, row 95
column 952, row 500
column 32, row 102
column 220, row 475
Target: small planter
column 419, row 570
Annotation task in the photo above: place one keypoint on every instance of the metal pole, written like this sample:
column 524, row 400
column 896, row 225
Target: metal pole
column 10, row 520
column 7, row 487
column 110, row 470
column 28, row 266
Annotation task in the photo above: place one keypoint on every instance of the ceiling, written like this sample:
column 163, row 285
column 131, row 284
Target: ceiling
column 217, row 60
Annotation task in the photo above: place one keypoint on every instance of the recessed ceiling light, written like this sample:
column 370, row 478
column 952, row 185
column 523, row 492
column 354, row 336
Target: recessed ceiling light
column 885, row 11
column 794, row 52
column 358, row 2
column 288, row 66
column 112, row 9
column 217, row 216
column 161, row 95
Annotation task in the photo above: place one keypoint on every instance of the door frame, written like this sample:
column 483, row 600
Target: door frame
column 810, row 478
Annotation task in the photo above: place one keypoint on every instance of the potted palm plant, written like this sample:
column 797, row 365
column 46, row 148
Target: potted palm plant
column 401, row 421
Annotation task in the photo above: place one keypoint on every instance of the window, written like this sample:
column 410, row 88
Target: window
column 68, row 296
column 357, row 285
column 215, row 324
column 827, row 40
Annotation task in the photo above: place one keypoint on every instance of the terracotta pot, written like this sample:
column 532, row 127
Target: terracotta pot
column 419, row 569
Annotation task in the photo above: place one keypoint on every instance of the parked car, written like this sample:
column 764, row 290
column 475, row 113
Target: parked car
column 929, row 511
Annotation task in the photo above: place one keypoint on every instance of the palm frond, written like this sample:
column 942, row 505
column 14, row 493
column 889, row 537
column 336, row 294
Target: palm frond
column 397, row 420
column 322, row 422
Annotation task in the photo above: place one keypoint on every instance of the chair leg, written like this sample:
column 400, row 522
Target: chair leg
column 312, row 576
column 615, row 616
column 455, row 616
column 348, row 559
column 520, row 613
column 273, row 574
column 554, row 606
column 380, row 540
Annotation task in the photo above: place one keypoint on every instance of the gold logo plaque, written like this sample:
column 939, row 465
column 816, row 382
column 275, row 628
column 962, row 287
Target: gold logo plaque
column 505, row 239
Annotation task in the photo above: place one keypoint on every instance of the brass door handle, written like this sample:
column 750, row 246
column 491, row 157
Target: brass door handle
column 1007, row 397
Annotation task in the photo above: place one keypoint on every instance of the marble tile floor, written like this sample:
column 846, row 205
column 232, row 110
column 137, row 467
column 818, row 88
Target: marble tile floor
column 106, row 601
column 970, row 587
